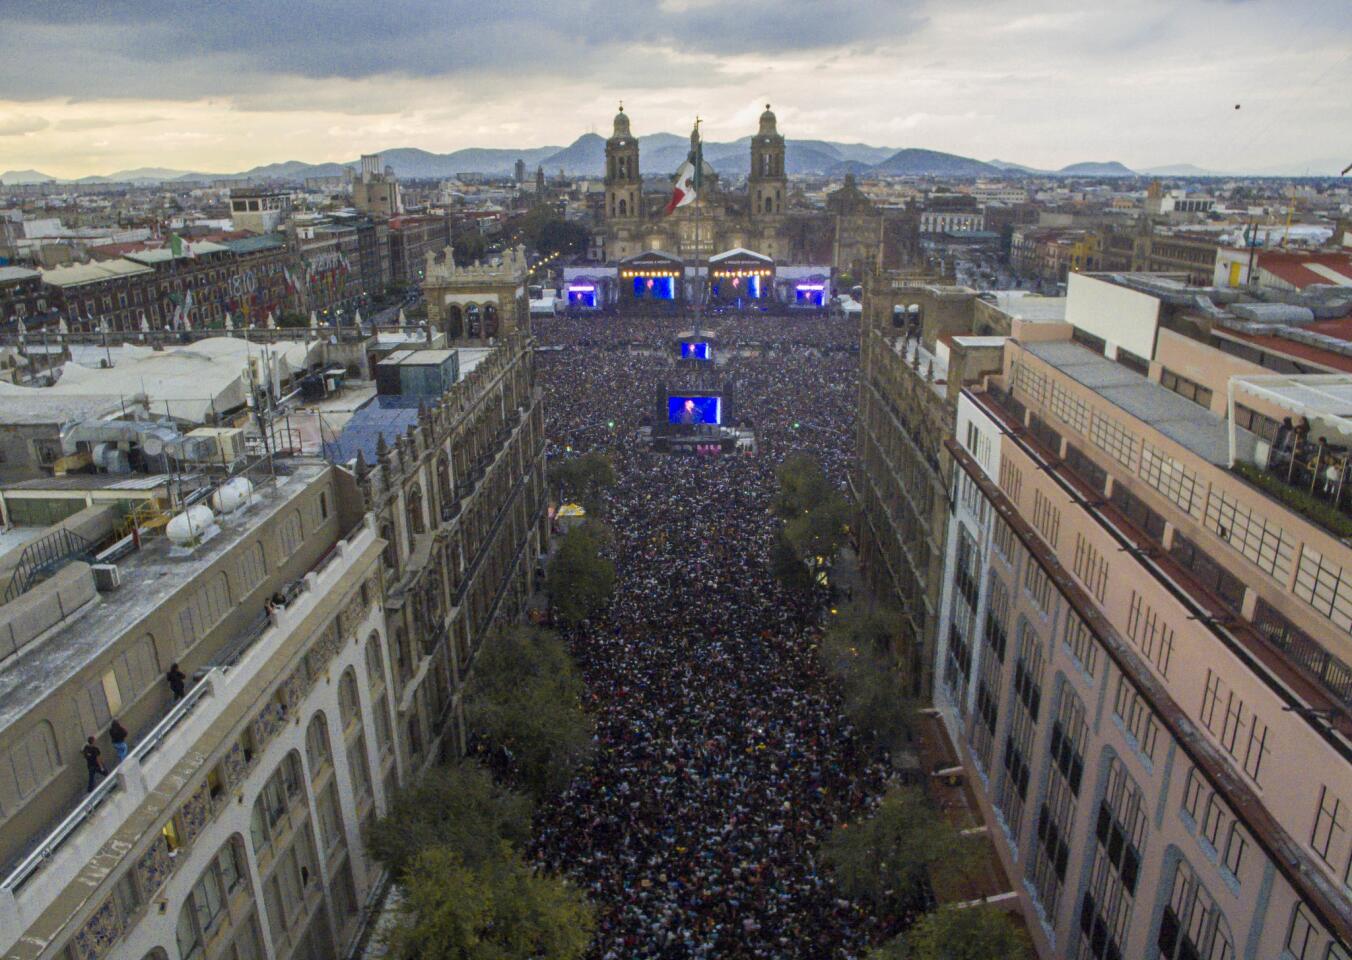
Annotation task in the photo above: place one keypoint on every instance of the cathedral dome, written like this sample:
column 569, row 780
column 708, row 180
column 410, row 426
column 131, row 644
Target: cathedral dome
column 621, row 125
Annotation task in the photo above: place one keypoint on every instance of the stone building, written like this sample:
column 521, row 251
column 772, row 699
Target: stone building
column 759, row 219
column 323, row 629
column 459, row 503
column 479, row 301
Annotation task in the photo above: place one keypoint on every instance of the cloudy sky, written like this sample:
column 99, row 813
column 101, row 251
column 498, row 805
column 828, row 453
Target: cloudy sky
column 97, row 86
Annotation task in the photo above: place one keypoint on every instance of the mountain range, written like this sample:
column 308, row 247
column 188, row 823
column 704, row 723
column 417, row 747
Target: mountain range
column 661, row 152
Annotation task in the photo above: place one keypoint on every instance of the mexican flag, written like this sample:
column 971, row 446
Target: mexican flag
column 690, row 175
column 180, row 247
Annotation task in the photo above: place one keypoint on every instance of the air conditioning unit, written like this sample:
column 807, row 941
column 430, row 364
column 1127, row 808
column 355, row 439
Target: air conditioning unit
column 107, row 576
column 214, row 445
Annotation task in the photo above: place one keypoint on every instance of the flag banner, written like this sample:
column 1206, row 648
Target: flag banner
column 690, row 175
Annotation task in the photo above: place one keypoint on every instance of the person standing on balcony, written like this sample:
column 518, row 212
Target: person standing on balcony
column 94, row 762
column 175, row 678
column 118, row 734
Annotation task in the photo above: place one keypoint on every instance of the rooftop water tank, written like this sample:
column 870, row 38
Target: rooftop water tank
column 232, row 495
column 188, row 527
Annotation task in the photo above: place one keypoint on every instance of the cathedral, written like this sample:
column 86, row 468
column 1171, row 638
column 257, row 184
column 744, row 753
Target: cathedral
column 758, row 219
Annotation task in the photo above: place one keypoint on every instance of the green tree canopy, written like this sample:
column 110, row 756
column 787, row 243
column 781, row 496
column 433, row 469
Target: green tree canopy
column 583, row 478
column 501, row 910
column 859, row 648
column 885, row 858
column 525, row 696
column 456, row 806
column 579, row 580
column 789, row 569
column 802, row 485
column 817, row 534
column 957, row 933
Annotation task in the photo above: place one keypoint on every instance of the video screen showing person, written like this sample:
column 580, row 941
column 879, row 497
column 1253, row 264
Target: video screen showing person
column 695, row 410
column 695, row 351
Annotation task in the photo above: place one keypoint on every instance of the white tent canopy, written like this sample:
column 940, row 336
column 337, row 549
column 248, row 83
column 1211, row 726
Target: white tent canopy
column 188, row 383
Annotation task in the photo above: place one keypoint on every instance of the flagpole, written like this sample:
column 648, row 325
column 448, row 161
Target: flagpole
column 699, row 202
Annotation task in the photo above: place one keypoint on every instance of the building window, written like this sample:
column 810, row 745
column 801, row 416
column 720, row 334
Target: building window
column 1188, row 389
column 1109, row 436
column 1153, row 637
column 1081, row 643
column 1192, row 794
column 1192, row 927
column 1301, row 937
column 1119, row 831
column 1046, row 518
column 1137, row 718
column 1090, row 567
column 1056, row 816
column 1329, row 825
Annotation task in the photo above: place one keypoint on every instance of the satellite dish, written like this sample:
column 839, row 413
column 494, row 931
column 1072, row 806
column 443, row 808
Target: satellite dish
column 152, row 445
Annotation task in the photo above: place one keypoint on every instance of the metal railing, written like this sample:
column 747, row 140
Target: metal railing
column 224, row 660
column 57, row 837
column 47, row 553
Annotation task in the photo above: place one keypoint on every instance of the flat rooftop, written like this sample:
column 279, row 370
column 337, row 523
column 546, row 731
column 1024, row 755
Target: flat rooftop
column 1197, row 430
column 150, row 577
column 1028, row 307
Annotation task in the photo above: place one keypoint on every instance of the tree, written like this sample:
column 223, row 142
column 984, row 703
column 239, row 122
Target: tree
column 817, row 534
column 957, row 933
column 524, row 699
column 579, row 580
column 290, row 318
column 583, row 478
column 501, row 910
column 886, row 858
column 802, row 485
column 456, row 806
column 789, row 569
column 468, row 246
column 546, row 232
column 859, row 650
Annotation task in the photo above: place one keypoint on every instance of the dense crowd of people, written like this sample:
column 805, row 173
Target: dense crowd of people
column 723, row 757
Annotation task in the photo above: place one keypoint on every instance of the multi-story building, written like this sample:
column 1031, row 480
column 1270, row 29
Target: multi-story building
column 1052, row 254
column 22, row 296
column 120, row 292
column 411, row 238
column 1143, row 642
column 919, row 344
column 321, row 628
column 259, row 210
column 375, row 191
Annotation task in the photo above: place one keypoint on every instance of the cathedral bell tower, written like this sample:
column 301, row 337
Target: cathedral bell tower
column 766, row 184
column 624, row 188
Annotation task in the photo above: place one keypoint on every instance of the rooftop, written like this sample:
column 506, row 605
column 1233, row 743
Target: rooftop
column 254, row 244
column 165, row 254
column 1184, row 422
column 15, row 274
column 81, row 273
column 1028, row 307
column 150, row 576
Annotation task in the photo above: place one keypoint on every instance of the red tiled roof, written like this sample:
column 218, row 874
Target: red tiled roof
column 1294, row 268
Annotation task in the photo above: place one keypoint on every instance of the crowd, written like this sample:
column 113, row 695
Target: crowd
column 723, row 757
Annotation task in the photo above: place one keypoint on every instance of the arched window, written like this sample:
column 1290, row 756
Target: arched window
column 317, row 750
column 349, row 705
column 33, row 761
column 1192, row 925
column 490, row 320
column 375, row 661
column 416, row 523
column 624, row 207
column 391, row 552
column 284, row 787
column 768, row 208
column 473, row 321
column 291, row 534
column 445, row 496
column 205, row 907
column 253, row 567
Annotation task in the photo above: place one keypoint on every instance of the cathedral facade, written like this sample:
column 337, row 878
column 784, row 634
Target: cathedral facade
column 758, row 219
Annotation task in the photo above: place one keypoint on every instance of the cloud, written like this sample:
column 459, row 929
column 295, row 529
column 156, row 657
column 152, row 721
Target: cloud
column 17, row 125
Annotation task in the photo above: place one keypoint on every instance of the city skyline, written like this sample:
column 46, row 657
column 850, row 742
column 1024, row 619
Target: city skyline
column 221, row 90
